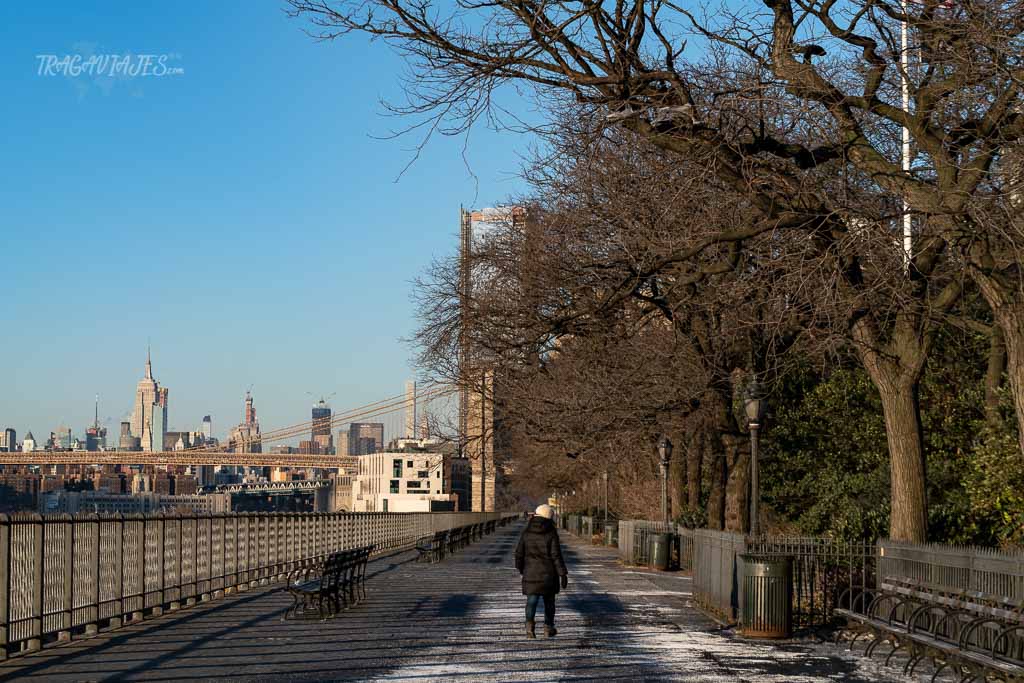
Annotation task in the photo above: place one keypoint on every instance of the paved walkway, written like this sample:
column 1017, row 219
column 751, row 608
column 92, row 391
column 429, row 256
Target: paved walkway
column 459, row 620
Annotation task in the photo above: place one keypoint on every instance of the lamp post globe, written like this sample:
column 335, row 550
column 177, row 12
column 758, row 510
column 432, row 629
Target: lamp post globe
column 754, row 404
column 665, row 450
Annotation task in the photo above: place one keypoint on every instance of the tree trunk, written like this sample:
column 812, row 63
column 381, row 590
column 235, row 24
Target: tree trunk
column 694, row 465
column 720, row 428
column 719, row 476
column 1007, row 306
column 895, row 369
column 737, row 498
column 1012, row 324
column 908, row 521
column 994, row 376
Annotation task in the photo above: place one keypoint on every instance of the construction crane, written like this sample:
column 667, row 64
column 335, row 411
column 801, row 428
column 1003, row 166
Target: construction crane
column 323, row 399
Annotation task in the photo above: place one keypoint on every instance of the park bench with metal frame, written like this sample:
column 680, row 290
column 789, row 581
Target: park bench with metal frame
column 456, row 539
column 432, row 548
column 435, row 547
column 335, row 584
column 465, row 536
column 978, row 635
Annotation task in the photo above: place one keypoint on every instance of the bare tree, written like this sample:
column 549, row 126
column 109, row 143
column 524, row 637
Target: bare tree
column 828, row 77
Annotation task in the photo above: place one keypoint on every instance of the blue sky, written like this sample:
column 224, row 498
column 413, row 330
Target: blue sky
column 241, row 215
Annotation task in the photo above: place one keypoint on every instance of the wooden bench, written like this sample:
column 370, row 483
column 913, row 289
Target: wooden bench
column 336, row 584
column 979, row 635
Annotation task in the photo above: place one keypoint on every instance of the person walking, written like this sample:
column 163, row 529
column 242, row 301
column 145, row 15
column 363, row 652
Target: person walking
column 539, row 561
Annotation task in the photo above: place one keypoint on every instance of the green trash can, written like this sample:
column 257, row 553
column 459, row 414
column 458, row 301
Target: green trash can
column 611, row 534
column 766, row 596
column 661, row 549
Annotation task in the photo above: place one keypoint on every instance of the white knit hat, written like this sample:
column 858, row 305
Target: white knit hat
column 544, row 511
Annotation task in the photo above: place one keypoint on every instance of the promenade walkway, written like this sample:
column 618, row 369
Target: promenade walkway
column 459, row 620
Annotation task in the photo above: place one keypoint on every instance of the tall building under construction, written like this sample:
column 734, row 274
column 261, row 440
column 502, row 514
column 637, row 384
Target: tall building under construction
column 321, row 433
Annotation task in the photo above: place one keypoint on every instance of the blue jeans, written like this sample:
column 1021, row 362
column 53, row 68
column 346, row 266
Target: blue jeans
column 549, row 607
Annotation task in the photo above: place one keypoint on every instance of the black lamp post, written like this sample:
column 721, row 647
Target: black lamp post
column 665, row 454
column 754, row 405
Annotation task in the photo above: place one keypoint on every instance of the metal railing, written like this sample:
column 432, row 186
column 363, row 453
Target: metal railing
column 827, row 574
column 635, row 542
column 63, row 576
column 824, row 571
column 577, row 525
column 635, row 538
column 715, row 571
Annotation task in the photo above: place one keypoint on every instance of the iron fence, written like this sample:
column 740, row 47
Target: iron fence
column 578, row 525
column 825, row 571
column 69, row 575
column 635, row 539
column 828, row 573
column 635, row 542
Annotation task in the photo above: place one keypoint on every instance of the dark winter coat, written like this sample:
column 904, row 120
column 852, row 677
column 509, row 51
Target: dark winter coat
column 539, row 558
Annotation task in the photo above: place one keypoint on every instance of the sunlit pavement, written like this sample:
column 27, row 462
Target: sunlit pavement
column 461, row 619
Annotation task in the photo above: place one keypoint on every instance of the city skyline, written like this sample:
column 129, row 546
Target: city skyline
column 186, row 234
column 218, row 429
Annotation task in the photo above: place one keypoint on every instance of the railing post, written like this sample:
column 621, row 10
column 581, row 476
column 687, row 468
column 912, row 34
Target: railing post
column 5, row 584
column 160, row 558
column 195, row 561
column 223, row 553
column 38, row 574
column 69, row 584
column 178, row 558
column 118, row 564
column 264, row 557
column 209, row 559
column 94, row 625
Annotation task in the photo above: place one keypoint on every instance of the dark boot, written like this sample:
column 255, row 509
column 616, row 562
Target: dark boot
column 550, row 631
column 529, row 630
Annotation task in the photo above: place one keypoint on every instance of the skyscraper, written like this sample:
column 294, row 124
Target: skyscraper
column 322, row 427
column 149, row 398
column 127, row 441
column 96, row 436
column 207, row 428
column 245, row 438
column 410, row 410
column 10, row 440
column 365, row 438
column 61, row 437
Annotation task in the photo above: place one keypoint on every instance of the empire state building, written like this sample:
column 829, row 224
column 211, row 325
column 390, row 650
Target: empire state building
column 149, row 417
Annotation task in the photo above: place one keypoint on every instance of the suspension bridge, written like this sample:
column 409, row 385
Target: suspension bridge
column 232, row 454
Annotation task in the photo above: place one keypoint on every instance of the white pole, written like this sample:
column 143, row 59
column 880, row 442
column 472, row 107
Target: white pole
column 908, row 238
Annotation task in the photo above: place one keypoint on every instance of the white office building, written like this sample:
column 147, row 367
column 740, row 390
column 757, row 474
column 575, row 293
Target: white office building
column 401, row 482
